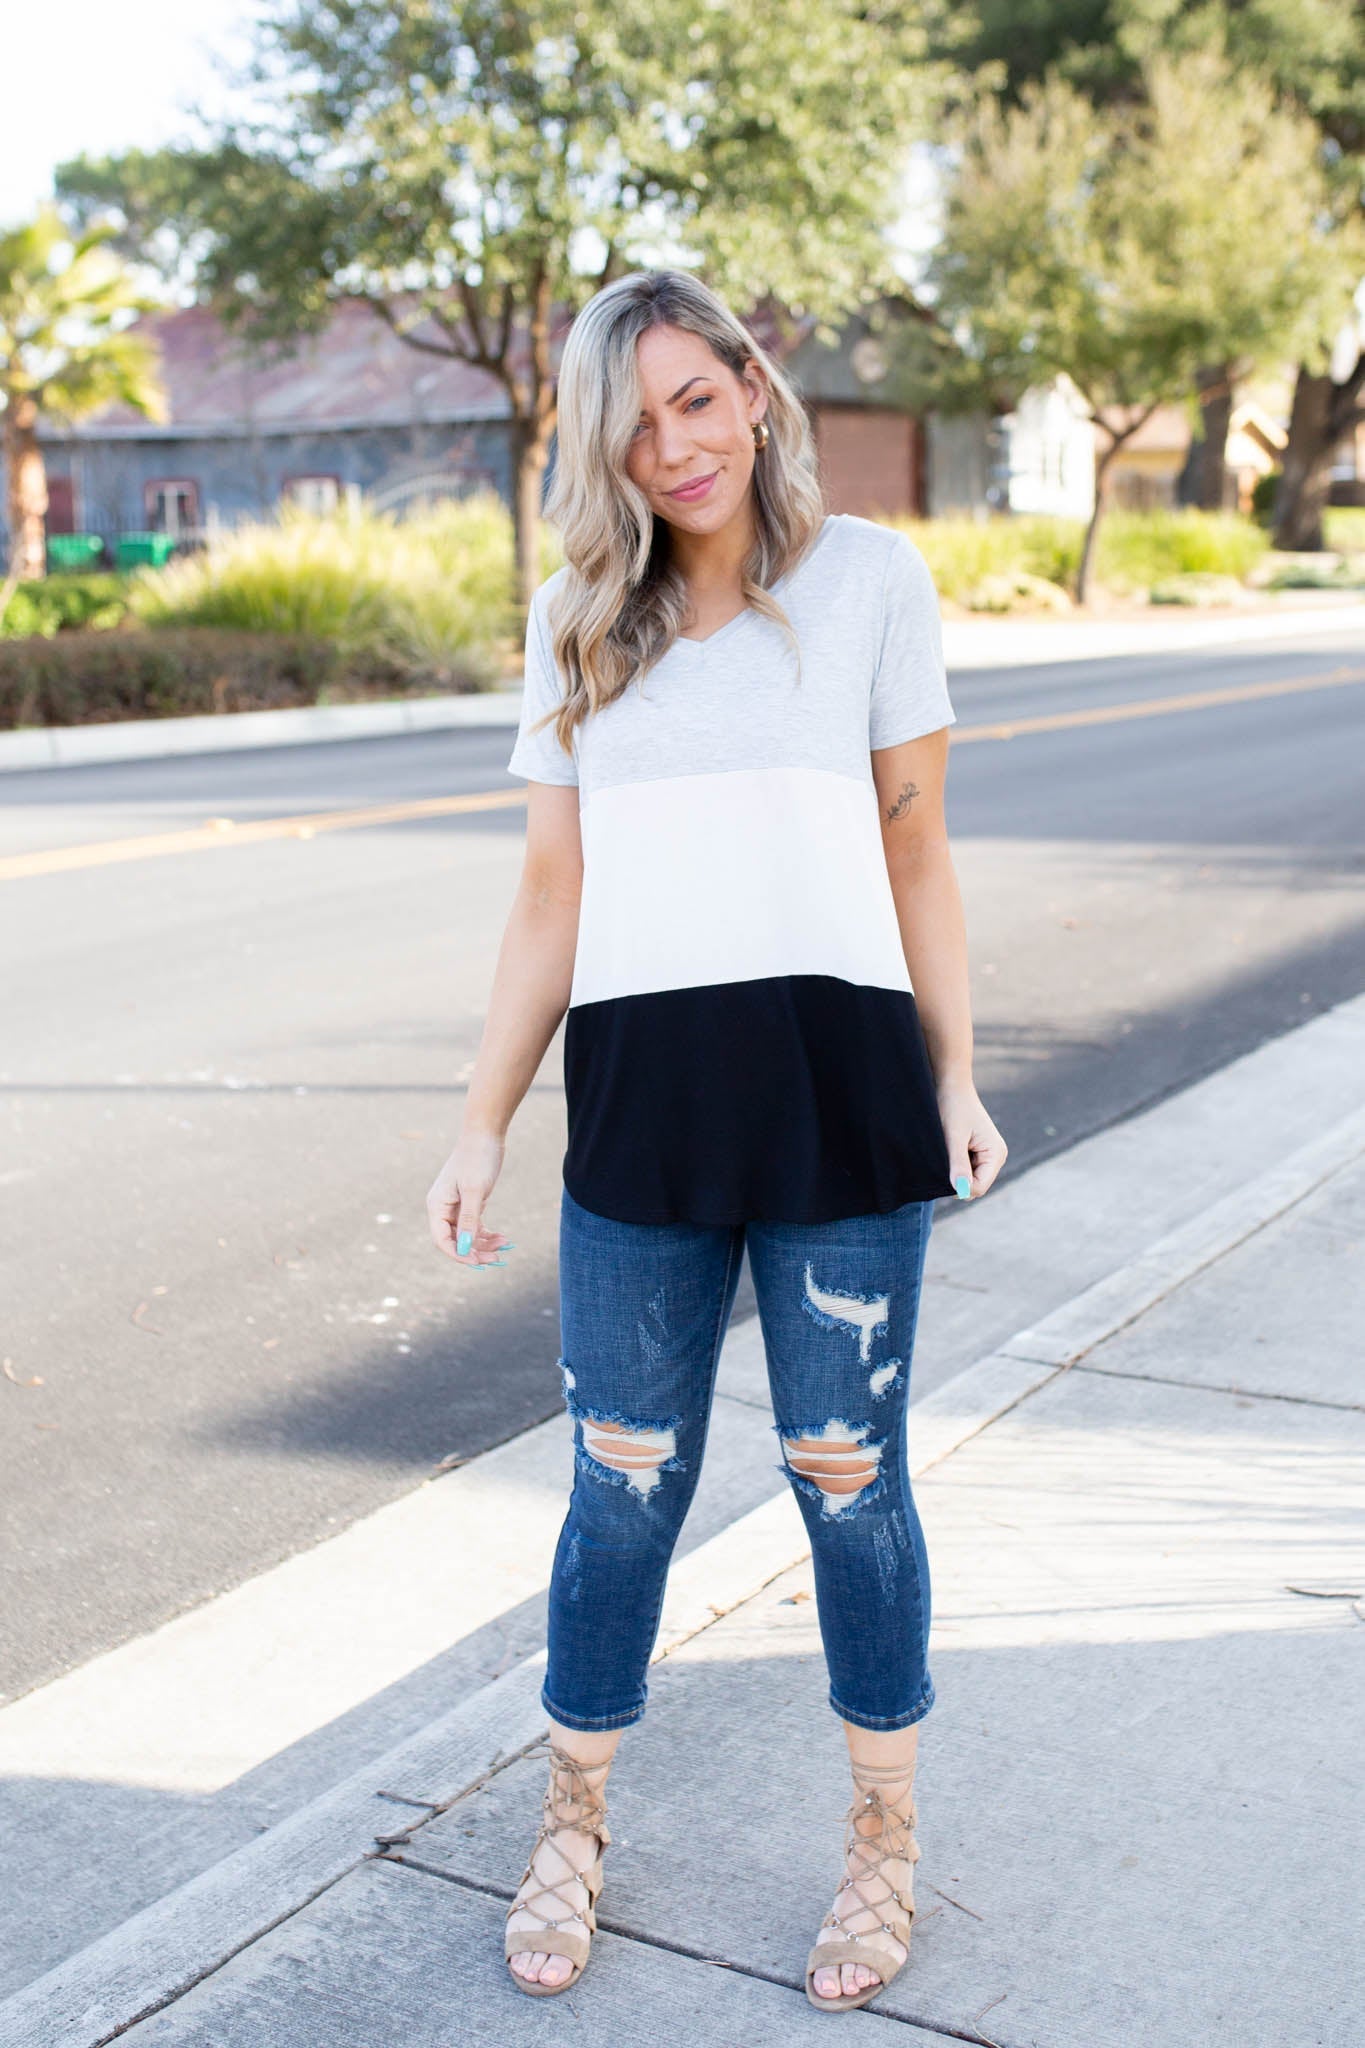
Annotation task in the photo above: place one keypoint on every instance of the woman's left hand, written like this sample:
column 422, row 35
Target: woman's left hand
column 976, row 1150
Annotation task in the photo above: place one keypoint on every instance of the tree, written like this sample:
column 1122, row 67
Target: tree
column 1129, row 247
column 470, row 170
column 65, row 350
column 1312, row 57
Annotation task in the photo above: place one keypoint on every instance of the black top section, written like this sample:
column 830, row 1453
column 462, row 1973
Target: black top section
column 796, row 1099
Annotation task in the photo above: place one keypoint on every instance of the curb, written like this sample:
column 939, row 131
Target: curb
column 159, row 1954
column 146, row 739
column 968, row 643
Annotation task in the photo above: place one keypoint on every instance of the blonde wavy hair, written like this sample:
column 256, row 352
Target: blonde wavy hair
column 622, row 601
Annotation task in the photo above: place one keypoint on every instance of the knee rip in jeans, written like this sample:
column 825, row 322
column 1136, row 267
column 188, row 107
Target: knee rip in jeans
column 833, row 1464
column 629, row 1453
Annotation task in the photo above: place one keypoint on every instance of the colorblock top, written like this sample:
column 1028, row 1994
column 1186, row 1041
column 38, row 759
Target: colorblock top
column 742, row 1040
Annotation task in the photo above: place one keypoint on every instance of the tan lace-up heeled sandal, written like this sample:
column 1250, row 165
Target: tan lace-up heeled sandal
column 874, row 1892
column 570, row 1801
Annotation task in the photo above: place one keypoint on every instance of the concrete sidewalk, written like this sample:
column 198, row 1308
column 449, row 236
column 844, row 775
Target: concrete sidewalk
column 1141, row 1787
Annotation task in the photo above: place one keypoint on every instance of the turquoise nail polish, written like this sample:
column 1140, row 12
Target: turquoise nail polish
column 464, row 1243
column 964, row 1188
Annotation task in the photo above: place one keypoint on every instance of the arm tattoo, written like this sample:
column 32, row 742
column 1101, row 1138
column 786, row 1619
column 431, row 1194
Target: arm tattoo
column 902, row 803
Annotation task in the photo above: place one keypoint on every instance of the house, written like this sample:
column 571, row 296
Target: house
column 351, row 411
column 1038, row 458
column 1042, row 457
column 1149, row 470
column 354, row 412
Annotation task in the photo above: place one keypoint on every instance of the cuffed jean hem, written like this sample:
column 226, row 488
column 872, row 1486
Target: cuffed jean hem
column 882, row 1721
column 591, row 1724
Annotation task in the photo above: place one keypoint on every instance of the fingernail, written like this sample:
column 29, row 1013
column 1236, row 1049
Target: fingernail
column 964, row 1188
column 463, row 1242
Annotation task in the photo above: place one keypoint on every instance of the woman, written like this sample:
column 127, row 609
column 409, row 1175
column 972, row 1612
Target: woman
column 738, row 885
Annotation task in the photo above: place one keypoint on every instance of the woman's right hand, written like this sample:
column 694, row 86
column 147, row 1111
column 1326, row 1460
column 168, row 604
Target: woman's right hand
column 456, row 1198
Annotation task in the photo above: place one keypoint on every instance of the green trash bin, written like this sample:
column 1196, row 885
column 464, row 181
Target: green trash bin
column 136, row 550
column 73, row 551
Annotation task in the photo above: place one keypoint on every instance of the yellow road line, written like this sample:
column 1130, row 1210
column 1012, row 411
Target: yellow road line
column 227, row 832
column 1152, row 707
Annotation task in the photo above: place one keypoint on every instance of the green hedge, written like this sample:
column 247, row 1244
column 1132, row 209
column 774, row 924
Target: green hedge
column 92, row 678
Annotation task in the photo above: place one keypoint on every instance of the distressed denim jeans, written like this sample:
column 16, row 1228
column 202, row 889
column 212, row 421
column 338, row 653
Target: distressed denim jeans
column 643, row 1310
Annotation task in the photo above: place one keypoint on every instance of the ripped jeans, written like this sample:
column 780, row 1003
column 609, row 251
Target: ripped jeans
column 644, row 1309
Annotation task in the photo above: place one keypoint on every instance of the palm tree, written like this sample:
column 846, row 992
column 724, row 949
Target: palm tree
column 65, row 351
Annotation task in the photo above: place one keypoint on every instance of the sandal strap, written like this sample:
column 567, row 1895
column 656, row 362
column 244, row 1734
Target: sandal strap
column 568, row 1787
column 866, row 1854
column 876, row 1954
column 553, row 1941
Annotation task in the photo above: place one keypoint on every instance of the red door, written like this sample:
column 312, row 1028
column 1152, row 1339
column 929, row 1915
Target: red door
column 61, row 505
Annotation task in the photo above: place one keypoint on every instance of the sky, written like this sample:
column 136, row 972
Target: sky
column 109, row 77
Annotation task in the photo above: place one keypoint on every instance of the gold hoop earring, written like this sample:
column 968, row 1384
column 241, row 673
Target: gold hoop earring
column 760, row 434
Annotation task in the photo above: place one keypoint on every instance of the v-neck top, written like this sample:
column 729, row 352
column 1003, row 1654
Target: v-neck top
column 742, row 1040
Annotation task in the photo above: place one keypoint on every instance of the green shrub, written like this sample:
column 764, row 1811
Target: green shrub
column 1198, row 587
column 1138, row 549
column 965, row 553
column 430, row 594
column 1323, row 572
column 1134, row 551
column 94, row 678
column 1343, row 528
column 64, row 603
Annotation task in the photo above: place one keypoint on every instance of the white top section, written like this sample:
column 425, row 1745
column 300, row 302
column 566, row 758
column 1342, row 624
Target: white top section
column 865, row 613
column 733, row 877
column 728, row 811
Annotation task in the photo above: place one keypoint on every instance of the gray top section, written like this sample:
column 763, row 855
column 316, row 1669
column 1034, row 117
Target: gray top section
column 865, row 611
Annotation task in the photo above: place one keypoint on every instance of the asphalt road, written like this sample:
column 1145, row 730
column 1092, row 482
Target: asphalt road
column 230, row 1068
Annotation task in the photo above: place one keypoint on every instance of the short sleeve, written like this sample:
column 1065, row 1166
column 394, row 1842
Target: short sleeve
column 539, row 755
column 910, row 688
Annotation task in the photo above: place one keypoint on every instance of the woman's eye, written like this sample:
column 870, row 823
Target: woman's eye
column 702, row 398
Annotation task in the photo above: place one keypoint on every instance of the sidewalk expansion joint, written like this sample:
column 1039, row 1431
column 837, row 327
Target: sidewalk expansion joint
column 1163, row 1379
column 485, row 1888
column 433, row 1809
column 173, row 1995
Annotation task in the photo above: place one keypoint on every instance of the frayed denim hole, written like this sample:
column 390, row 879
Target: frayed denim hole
column 642, row 1479
column 836, row 1506
column 614, row 1476
column 589, row 1413
column 839, row 1507
column 836, row 1308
